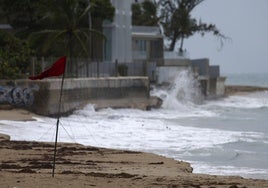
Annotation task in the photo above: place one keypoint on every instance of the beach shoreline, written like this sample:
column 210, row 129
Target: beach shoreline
column 239, row 89
column 28, row 164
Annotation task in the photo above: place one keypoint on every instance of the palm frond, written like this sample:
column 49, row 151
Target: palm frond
column 86, row 11
column 81, row 41
column 95, row 32
column 46, row 37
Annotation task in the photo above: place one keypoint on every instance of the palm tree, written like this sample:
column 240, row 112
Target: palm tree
column 66, row 31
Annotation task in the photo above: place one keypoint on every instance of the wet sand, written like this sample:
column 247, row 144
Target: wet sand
column 237, row 90
column 29, row 164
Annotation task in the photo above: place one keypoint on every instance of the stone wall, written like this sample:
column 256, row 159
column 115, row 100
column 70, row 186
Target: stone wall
column 116, row 92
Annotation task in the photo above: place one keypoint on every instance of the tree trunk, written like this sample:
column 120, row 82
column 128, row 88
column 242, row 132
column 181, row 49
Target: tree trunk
column 181, row 46
column 172, row 45
column 173, row 42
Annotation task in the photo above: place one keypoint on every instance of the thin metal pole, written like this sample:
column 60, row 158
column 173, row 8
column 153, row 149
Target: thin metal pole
column 57, row 126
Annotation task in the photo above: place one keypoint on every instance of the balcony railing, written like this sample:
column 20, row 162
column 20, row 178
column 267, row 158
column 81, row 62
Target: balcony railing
column 89, row 68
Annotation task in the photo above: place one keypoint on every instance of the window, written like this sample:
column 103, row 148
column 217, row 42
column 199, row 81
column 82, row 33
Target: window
column 141, row 45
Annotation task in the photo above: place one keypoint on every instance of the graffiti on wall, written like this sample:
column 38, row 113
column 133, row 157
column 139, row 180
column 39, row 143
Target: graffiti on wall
column 17, row 96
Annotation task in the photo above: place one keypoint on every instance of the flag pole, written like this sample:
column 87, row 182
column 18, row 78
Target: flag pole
column 57, row 125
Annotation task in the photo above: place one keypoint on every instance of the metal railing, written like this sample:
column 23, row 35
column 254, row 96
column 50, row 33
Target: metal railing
column 82, row 68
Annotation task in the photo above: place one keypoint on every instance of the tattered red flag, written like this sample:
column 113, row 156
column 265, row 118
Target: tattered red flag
column 56, row 69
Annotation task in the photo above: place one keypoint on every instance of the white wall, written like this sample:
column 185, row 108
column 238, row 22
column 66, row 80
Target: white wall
column 121, row 31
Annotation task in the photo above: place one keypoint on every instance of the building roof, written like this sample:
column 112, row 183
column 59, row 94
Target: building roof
column 146, row 31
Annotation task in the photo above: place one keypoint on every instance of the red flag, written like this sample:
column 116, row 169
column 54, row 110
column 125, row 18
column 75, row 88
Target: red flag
column 56, row 69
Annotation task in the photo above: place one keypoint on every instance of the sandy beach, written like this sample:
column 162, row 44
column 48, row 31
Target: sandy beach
column 240, row 90
column 29, row 164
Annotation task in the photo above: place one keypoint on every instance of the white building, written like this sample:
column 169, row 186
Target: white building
column 126, row 43
column 118, row 45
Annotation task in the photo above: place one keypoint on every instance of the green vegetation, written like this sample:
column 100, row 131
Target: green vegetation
column 15, row 57
column 57, row 27
column 174, row 18
column 144, row 14
column 101, row 10
column 65, row 27
column 24, row 16
column 67, row 32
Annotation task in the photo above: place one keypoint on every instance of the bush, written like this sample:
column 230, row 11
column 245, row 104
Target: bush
column 8, row 72
column 122, row 69
column 15, row 56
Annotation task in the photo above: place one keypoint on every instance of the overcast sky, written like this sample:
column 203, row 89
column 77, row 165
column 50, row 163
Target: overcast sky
column 246, row 23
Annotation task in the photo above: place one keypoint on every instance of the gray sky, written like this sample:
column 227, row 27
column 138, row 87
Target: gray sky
column 246, row 23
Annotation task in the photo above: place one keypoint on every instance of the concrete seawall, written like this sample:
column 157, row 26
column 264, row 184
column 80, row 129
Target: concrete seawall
column 115, row 92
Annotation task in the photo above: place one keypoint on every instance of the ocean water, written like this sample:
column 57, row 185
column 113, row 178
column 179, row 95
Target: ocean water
column 228, row 136
column 251, row 79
